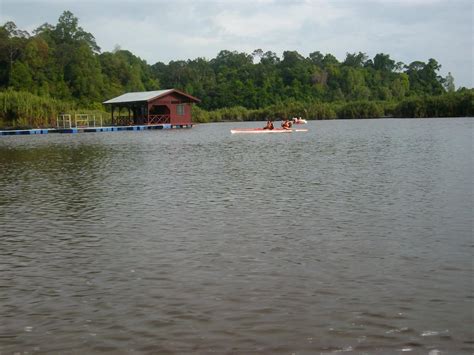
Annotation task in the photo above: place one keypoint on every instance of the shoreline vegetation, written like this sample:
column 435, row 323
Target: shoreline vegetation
column 22, row 110
column 60, row 69
column 447, row 105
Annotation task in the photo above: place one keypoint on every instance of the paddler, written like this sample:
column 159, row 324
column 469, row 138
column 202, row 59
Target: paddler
column 286, row 124
column 269, row 125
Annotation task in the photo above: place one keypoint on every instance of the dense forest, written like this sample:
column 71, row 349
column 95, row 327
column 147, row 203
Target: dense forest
column 61, row 68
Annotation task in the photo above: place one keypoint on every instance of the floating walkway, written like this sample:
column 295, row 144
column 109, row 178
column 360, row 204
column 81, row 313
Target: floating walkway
column 14, row 132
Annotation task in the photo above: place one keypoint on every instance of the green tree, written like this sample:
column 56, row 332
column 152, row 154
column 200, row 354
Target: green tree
column 12, row 45
column 294, row 70
column 329, row 59
column 383, row 62
column 423, row 77
column 400, row 86
column 21, row 78
column 317, row 58
column 355, row 59
column 68, row 31
column 449, row 83
column 83, row 75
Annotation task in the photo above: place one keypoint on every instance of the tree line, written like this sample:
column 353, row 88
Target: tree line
column 62, row 66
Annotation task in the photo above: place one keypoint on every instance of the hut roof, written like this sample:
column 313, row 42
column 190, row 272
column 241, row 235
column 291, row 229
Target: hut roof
column 146, row 96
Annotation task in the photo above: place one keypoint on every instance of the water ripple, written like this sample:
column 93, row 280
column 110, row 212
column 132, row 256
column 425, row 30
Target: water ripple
column 353, row 237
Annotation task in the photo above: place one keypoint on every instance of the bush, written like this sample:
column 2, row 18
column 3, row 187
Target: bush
column 458, row 104
column 361, row 109
column 20, row 109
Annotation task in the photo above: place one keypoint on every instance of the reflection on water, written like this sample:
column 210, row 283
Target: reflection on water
column 355, row 236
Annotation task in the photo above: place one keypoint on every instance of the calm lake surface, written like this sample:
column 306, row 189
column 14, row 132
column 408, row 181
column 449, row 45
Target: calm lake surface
column 353, row 237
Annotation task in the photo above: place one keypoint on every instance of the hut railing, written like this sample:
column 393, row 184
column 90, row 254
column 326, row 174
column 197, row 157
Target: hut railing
column 64, row 121
column 123, row 120
column 158, row 119
column 150, row 119
column 81, row 120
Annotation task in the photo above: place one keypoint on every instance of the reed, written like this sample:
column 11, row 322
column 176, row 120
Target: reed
column 20, row 109
column 456, row 104
column 287, row 109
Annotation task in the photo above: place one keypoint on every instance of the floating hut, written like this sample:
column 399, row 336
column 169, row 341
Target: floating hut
column 147, row 110
column 169, row 106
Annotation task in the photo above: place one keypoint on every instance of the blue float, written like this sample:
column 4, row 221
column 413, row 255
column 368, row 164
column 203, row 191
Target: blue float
column 12, row 132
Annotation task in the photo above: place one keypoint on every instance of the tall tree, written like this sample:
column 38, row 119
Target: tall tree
column 355, row 59
column 68, row 31
column 383, row 62
column 12, row 44
column 449, row 83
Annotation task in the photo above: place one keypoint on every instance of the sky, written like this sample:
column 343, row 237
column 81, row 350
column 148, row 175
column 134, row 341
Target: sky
column 164, row 30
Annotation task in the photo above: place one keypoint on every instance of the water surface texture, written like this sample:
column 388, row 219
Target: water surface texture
column 354, row 236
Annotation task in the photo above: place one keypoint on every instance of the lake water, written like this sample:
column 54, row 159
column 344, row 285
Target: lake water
column 355, row 236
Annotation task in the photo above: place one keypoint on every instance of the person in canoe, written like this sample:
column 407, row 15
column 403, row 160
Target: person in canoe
column 269, row 125
column 286, row 124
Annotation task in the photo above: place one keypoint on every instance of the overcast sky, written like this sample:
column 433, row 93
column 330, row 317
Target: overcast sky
column 159, row 30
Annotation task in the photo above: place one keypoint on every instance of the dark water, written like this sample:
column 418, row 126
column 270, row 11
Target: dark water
column 353, row 237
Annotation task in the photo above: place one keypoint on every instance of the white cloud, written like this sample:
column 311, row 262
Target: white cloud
column 409, row 3
column 234, row 24
column 287, row 19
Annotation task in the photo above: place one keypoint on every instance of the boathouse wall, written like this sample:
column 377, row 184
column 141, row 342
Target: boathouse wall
column 177, row 106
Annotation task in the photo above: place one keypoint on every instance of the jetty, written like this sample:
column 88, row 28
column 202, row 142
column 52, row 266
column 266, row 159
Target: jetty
column 14, row 132
column 132, row 111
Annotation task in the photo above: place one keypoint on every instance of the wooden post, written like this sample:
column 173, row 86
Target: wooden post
column 113, row 123
column 148, row 112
